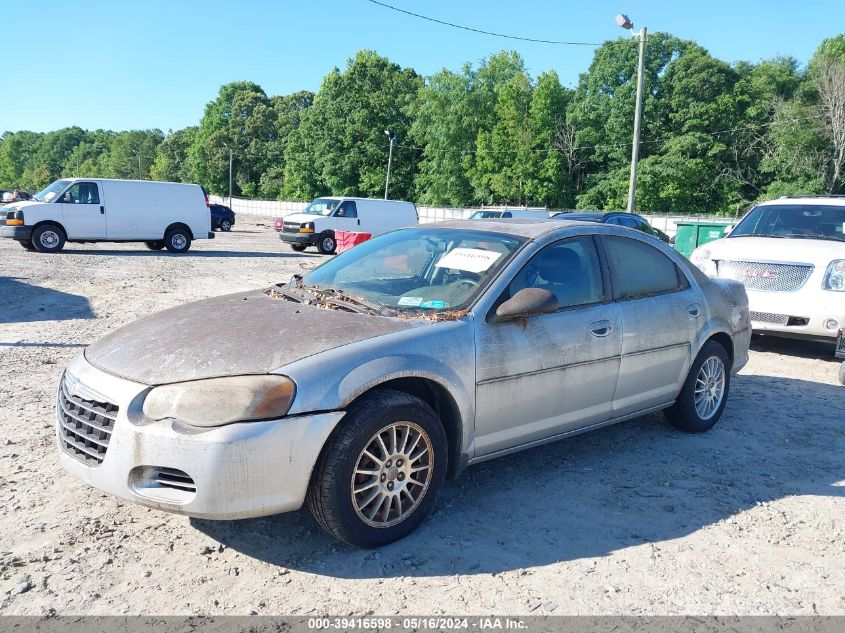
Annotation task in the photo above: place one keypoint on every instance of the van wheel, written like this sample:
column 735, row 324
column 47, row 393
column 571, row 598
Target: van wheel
column 378, row 476
column 225, row 225
column 48, row 238
column 299, row 247
column 27, row 244
column 155, row 246
column 326, row 243
column 702, row 399
column 177, row 240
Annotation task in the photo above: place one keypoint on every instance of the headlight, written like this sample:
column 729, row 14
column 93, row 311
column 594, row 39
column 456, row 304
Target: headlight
column 701, row 257
column 834, row 278
column 307, row 228
column 219, row 401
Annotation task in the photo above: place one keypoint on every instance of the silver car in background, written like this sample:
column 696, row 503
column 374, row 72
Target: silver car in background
column 361, row 386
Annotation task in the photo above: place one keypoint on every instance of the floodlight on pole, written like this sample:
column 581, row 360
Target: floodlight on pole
column 625, row 22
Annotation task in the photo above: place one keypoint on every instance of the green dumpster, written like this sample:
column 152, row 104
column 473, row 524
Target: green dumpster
column 691, row 235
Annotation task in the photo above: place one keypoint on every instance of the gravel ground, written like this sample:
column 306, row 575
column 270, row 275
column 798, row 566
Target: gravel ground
column 635, row 519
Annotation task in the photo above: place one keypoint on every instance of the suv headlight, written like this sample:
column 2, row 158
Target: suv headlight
column 702, row 258
column 834, row 278
column 219, row 401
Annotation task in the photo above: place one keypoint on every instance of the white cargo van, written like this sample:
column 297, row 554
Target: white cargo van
column 160, row 214
column 317, row 223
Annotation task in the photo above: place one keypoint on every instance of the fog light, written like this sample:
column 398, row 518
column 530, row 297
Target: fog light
column 831, row 325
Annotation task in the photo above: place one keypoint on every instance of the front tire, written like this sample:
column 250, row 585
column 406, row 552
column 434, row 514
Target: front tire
column 299, row 247
column 326, row 243
column 705, row 393
column 379, row 474
column 177, row 240
column 48, row 238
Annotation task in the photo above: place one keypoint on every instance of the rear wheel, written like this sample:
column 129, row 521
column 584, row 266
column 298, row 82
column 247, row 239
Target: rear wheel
column 299, row 247
column 225, row 225
column 378, row 476
column 155, row 246
column 702, row 399
column 177, row 240
column 48, row 238
column 326, row 243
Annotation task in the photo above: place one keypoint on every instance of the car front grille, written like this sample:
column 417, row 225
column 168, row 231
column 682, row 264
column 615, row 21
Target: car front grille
column 291, row 228
column 85, row 424
column 765, row 276
column 768, row 317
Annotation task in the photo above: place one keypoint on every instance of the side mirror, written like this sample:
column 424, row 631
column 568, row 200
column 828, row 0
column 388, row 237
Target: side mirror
column 525, row 303
column 66, row 197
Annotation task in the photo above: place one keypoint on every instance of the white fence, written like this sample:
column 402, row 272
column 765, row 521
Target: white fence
column 269, row 209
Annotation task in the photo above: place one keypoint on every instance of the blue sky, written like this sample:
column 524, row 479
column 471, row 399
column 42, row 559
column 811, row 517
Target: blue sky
column 129, row 65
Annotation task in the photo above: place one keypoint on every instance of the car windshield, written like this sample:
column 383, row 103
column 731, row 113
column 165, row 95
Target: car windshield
column 47, row 194
column 809, row 221
column 321, row 206
column 416, row 269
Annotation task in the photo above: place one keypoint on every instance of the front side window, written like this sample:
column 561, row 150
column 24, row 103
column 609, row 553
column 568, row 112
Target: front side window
column 639, row 270
column 569, row 269
column 417, row 269
column 808, row 221
column 82, row 193
column 347, row 209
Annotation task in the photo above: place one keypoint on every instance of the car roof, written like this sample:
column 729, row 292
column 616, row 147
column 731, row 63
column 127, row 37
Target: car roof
column 819, row 200
column 522, row 227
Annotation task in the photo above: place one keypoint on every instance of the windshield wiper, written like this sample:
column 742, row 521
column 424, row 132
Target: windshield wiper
column 813, row 236
column 342, row 297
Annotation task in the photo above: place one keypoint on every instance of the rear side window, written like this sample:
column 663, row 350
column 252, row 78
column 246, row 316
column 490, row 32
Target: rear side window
column 639, row 270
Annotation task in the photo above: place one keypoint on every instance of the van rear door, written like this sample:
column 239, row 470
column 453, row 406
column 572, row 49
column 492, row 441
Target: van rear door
column 83, row 211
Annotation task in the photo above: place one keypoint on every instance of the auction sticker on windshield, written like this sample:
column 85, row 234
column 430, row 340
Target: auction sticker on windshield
column 473, row 260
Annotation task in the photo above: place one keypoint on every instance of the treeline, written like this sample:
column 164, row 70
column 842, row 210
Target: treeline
column 716, row 136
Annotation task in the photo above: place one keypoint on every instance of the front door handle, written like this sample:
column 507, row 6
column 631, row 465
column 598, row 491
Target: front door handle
column 359, row 221
column 600, row 328
column 694, row 310
column 102, row 210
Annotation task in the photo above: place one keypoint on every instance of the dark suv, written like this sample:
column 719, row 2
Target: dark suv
column 622, row 218
column 222, row 217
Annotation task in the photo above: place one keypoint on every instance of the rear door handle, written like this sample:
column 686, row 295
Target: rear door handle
column 694, row 310
column 600, row 328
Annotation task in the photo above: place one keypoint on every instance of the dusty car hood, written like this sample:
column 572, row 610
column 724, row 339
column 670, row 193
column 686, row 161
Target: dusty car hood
column 245, row 333
column 818, row 252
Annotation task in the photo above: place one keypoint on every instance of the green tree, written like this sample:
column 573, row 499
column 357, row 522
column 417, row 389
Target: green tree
column 340, row 146
column 171, row 160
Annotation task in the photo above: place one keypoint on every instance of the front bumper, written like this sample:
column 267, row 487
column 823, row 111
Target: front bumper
column 240, row 470
column 16, row 232
column 298, row 238
column 806, row 312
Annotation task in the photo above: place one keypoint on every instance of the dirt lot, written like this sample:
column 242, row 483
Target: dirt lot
column 638, row 518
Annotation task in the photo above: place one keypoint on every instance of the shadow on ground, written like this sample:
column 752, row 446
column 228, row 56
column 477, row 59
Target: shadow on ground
column 638, row 482
column 27, row 302
column 793, row 347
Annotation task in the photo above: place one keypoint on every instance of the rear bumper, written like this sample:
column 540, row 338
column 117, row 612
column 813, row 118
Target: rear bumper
column 211, row 235
column 16, row 232
column 298, row 238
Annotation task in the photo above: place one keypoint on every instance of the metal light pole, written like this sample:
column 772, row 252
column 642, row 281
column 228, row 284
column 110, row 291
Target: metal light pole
column 389, row 161
column 230, row 177
column 625, row 22
column 138, row 154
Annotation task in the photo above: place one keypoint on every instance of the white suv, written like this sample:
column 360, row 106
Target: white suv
column 790, row 256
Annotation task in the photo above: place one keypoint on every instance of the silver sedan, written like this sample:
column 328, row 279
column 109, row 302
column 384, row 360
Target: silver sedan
column 361, row 386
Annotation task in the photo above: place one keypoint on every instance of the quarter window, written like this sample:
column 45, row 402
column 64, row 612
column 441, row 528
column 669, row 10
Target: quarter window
column 569, row 269
column 640, row 270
